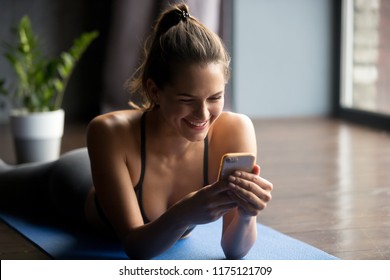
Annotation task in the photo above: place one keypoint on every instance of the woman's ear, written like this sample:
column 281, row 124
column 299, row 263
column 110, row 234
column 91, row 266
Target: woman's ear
column 153, row 90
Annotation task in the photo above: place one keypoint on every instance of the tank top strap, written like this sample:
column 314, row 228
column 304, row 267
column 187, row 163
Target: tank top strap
column 206, row 162
column 143, row 149
column 138, row 187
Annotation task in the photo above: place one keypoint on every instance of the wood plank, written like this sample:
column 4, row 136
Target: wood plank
column 332, row 184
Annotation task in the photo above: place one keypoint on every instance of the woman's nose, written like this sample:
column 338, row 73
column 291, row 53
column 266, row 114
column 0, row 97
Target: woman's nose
column 201, row 111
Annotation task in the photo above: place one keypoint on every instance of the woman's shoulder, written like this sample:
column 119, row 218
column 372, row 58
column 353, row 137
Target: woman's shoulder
column 116, row 120
column 232, row 122
column 233, row 116
column 233, row 132
column 117, row 125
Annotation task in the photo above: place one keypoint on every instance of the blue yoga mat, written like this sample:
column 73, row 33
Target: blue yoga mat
column 64, row 242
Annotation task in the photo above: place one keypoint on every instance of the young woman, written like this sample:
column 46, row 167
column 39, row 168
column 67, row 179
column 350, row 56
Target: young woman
column 154, row 170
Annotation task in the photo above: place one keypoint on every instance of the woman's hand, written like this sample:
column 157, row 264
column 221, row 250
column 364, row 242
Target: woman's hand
column 207, row 204
column 250, row 191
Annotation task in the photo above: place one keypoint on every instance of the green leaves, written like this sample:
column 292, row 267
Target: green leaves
column 41, row 81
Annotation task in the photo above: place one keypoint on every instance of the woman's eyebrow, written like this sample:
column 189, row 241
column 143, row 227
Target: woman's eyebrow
column 218, row 93
column 185, row 95
column 192, row 95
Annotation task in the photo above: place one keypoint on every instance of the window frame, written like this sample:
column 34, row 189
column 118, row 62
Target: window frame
column 343, row 72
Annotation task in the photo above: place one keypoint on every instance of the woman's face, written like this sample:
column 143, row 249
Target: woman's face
column 194, row 100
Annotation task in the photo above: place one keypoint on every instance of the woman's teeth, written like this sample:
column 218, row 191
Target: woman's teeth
column 197, row 124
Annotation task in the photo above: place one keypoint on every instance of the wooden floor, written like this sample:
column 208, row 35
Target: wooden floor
column 331, row 186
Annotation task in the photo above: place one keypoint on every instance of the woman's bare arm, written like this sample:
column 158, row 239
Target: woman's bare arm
column 249, row 191
column 115, row 191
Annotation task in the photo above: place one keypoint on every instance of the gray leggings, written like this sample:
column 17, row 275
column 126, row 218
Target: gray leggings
column 57, row 187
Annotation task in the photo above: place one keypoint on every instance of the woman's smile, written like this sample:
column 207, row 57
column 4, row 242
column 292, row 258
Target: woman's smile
column 197, row 125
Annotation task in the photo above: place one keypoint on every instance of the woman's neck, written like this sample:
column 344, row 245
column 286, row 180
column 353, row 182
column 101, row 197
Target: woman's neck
column 164, row 140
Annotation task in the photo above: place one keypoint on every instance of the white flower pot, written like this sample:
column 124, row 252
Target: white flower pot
column 37, row 136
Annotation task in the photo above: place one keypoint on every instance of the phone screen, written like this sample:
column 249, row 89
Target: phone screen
column 235, row 161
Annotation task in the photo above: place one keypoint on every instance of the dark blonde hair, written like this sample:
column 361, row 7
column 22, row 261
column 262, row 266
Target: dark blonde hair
column 177, row 39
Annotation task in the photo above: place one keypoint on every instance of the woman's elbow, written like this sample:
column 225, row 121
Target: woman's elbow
column 135, row 253
column 232, row 255
column 236, row 251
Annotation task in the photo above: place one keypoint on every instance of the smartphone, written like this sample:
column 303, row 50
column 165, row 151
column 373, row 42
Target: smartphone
column 235, row 161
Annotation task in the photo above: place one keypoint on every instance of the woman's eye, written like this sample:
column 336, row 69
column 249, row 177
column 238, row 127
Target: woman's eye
column 211, row 99
column 185, row 100
column 215, row 98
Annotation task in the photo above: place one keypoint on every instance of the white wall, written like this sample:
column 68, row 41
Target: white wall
column 282, row 57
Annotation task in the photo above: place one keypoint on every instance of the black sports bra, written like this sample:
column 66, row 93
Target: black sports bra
column 138, row 187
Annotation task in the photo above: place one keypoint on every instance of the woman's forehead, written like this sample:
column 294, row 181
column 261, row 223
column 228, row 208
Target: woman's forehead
column 195, row 73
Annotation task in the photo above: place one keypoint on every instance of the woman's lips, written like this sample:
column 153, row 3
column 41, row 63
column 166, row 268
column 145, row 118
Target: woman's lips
column 196, row 124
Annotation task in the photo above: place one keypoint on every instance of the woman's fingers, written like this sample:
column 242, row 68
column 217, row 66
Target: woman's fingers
column 247, row 184
column 247, row 191
column 256, row 169
column 247, row 198
column 252, row 192
column 244, row 206
column 209, row 203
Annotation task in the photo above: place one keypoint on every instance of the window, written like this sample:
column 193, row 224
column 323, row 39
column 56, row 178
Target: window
column 365, row 58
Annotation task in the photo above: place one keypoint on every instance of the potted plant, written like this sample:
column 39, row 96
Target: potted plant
column 37, row 119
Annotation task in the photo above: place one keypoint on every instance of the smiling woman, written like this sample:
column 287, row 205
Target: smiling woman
column 194, row 100
column 178, row 41
column 151, row 175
